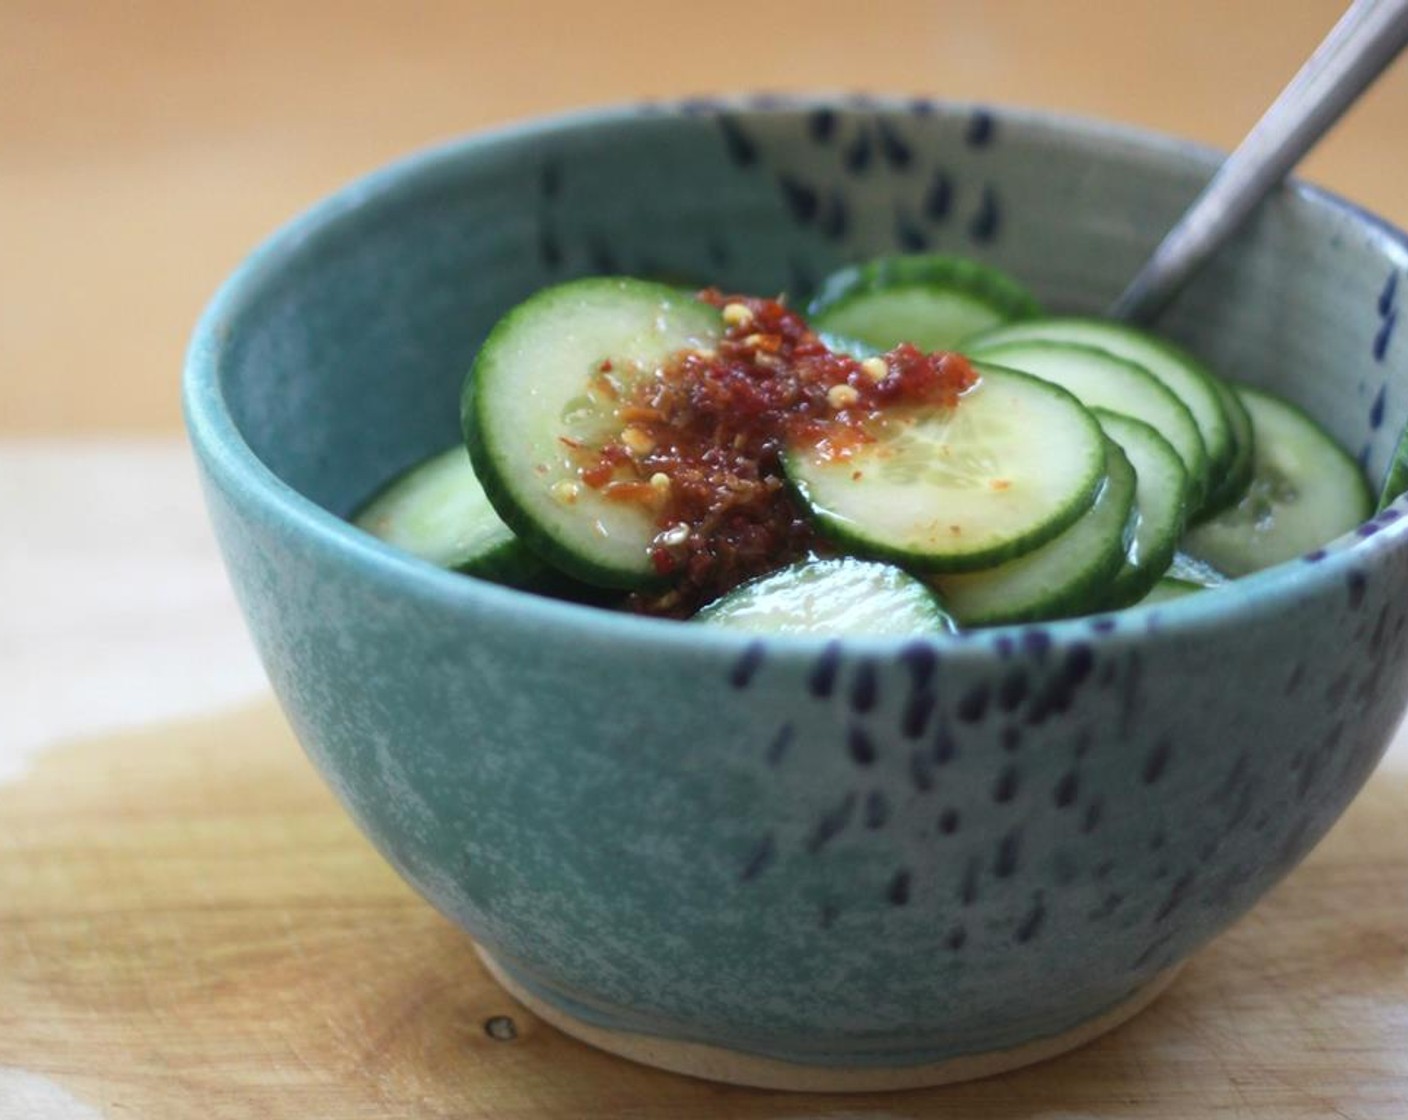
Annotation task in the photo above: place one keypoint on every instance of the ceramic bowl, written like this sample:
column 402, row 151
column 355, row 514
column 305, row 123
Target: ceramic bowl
column 804, row 863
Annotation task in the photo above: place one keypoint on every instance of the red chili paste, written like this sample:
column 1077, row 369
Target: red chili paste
column 701, row 440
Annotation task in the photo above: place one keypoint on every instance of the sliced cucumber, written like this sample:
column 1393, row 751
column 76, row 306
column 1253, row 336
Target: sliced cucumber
column 1160, row 503
column 1066, row 576
column 929, row 300
column 1395, row 481
column 1229, row 489
column 1187, row 378
column 537, row 384
column 835, row 596
column 1168, row 589
column 438, row 511
column 1016, row 461
column 1305, row 491
column 1101, row 380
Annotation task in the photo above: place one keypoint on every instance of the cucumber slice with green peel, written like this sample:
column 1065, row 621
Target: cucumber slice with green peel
column 1168, row 589
column 1305, row 491
column 1189, row 569
column 437, row 511
column 1183, row 374
column 1160, row 505
column 1067, row 576
column 536, row 384
column 834, row 596
column 1099, row 379
column 1237, row 475
column 931, row 301
column 1015, row 462
column 1395, row 482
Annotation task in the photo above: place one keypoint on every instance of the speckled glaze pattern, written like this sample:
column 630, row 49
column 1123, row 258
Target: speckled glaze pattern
column 833, row 852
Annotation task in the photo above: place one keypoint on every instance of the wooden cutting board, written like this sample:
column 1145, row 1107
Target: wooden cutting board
column 190, row 927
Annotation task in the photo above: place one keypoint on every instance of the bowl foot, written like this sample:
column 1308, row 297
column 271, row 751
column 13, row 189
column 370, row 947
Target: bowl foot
column 717, row 1063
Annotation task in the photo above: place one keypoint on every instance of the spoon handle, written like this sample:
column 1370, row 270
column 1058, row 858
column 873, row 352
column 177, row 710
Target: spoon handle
column 1366, row 39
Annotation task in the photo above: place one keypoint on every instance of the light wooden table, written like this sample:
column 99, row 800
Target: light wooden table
column 188, row 924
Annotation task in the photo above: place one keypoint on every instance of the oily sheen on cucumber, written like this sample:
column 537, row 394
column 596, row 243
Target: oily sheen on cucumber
column 929, row 300
column 1189, row 569
column 1160, row 507
column 1305, row 491
column 538, row 389
column 1015, row 462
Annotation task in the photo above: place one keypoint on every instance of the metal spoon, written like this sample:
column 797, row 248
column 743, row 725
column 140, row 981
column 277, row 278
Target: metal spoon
column 1366, row 39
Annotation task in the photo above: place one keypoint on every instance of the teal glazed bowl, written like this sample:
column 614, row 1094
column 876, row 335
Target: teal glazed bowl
column 801, row 863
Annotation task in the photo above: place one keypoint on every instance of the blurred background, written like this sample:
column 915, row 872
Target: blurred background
column 147, row 145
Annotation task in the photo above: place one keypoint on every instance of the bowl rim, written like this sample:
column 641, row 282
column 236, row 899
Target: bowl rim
column 223, row 452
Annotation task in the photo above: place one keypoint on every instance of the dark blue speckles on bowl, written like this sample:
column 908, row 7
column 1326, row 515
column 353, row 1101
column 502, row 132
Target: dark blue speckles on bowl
column 800, row 863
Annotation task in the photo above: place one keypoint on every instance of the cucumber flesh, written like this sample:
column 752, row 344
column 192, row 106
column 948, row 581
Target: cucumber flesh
column 1305, row 491
column 537, row 383
column 1168, row 589
column 1015, row 462
column 1099, row 379
column 1066, row 576
column 1186, row 377
column 931, row 301
column 437, row 511
column 1160, row 502
column 1395, row 482
column 834, row 596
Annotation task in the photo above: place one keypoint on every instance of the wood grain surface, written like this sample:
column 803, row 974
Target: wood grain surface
column 190, row 927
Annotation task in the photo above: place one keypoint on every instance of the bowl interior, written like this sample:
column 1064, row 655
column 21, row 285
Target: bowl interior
column 345, row 358
column 989, row 838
